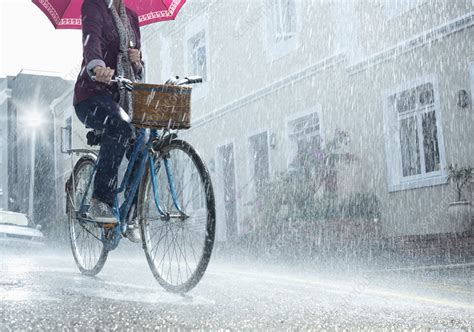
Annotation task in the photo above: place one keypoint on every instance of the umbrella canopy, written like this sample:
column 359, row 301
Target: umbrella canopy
column 66, row 14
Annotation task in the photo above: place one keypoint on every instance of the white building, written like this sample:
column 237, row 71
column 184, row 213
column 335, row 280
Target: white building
column 281, row 77
column 5, row 94
column 26, row 128
column 280, row 73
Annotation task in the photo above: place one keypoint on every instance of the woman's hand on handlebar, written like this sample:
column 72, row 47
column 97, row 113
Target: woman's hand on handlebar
column 103, row 74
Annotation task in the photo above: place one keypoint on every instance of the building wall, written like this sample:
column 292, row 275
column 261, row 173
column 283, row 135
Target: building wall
column 239, row 60
column 32, row 92
column 267, row 111
column 4, row 93
column 420, row 210
column 342, row 71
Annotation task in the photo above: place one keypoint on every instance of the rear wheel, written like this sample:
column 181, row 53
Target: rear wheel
column 86, row 237
column 178, row 248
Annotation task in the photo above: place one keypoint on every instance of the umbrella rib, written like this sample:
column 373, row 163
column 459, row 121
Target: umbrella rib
column 164, row 5
column 69, row 5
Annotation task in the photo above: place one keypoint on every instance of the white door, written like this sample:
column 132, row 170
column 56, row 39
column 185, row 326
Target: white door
column 227, row 198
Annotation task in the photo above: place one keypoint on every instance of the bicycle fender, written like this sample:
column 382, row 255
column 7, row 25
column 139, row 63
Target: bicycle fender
column 165, row 141
column 91, row 156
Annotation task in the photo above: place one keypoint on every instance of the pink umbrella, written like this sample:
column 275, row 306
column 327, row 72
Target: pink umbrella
column 66, row 14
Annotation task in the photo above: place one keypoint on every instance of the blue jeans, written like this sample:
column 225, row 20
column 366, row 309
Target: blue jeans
column 104, row 113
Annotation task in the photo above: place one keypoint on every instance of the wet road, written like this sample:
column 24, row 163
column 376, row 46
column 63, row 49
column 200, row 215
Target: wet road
column 44, row 291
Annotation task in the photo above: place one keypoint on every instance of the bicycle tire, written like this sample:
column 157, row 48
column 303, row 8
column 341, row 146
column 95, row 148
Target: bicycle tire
column 92, row 266
column 194, row 225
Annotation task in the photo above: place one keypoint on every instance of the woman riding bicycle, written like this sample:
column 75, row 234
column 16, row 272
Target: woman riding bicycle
column 111, row 45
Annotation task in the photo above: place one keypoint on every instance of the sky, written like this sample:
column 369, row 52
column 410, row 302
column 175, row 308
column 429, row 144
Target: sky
column 29, row 41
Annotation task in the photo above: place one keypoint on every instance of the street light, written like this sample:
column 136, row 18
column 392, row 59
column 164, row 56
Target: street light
column 33, row 121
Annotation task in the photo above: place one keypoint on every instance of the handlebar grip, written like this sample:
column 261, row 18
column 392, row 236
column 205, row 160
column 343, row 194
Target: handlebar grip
column 194, row 79
column 113, row 80
column 123, row 83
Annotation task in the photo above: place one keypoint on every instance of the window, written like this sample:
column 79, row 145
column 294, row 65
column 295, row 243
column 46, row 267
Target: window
column 304, row 136
column 283, row 19
column 414, row 140
column 418, row 134
column 66, row 137
column 282, row 27
column 259, row 160
column 198, row 55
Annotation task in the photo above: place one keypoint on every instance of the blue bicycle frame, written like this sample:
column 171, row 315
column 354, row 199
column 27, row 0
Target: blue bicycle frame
column 144, row 154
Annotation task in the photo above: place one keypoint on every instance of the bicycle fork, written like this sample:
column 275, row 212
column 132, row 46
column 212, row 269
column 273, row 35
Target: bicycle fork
column 171, row 186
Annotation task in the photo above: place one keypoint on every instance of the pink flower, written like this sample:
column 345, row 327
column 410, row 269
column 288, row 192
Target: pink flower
column 319, row 154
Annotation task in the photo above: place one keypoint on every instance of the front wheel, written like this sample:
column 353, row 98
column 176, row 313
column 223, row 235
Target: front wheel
column 178, row 246
column 86, row 237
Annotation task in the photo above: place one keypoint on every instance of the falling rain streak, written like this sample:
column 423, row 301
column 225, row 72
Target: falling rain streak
column 333, row 138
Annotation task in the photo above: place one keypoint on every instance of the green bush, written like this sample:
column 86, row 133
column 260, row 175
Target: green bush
column 360, row 205
column 290, row 207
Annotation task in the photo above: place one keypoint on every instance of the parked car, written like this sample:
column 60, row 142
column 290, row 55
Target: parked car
column 17, row 230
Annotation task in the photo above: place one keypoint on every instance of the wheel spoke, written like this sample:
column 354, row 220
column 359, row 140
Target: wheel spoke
column 87, row 246
column 178, row 250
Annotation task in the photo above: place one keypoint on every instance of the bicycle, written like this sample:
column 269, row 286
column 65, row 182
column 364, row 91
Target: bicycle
column 176, row 218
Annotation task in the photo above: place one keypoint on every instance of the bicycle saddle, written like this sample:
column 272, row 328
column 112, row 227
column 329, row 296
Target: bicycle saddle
column 94, row 137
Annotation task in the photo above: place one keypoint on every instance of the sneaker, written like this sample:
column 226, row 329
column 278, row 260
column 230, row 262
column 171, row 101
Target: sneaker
column 101, row 213
column 133, row 232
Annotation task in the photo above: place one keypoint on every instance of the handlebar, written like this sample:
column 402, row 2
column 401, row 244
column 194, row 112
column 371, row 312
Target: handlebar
column 128, row 84
column 190, row 80
column 125, row 82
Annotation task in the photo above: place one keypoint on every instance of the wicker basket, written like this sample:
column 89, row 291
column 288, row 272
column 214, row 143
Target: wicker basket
column 161, row 106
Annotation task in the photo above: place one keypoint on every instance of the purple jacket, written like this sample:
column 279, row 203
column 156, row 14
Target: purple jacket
column 101, row 46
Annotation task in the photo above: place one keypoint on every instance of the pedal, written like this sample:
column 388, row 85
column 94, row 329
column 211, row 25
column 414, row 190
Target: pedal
column 107, row 226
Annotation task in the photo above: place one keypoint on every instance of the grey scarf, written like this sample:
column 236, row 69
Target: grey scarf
column 127, row 39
